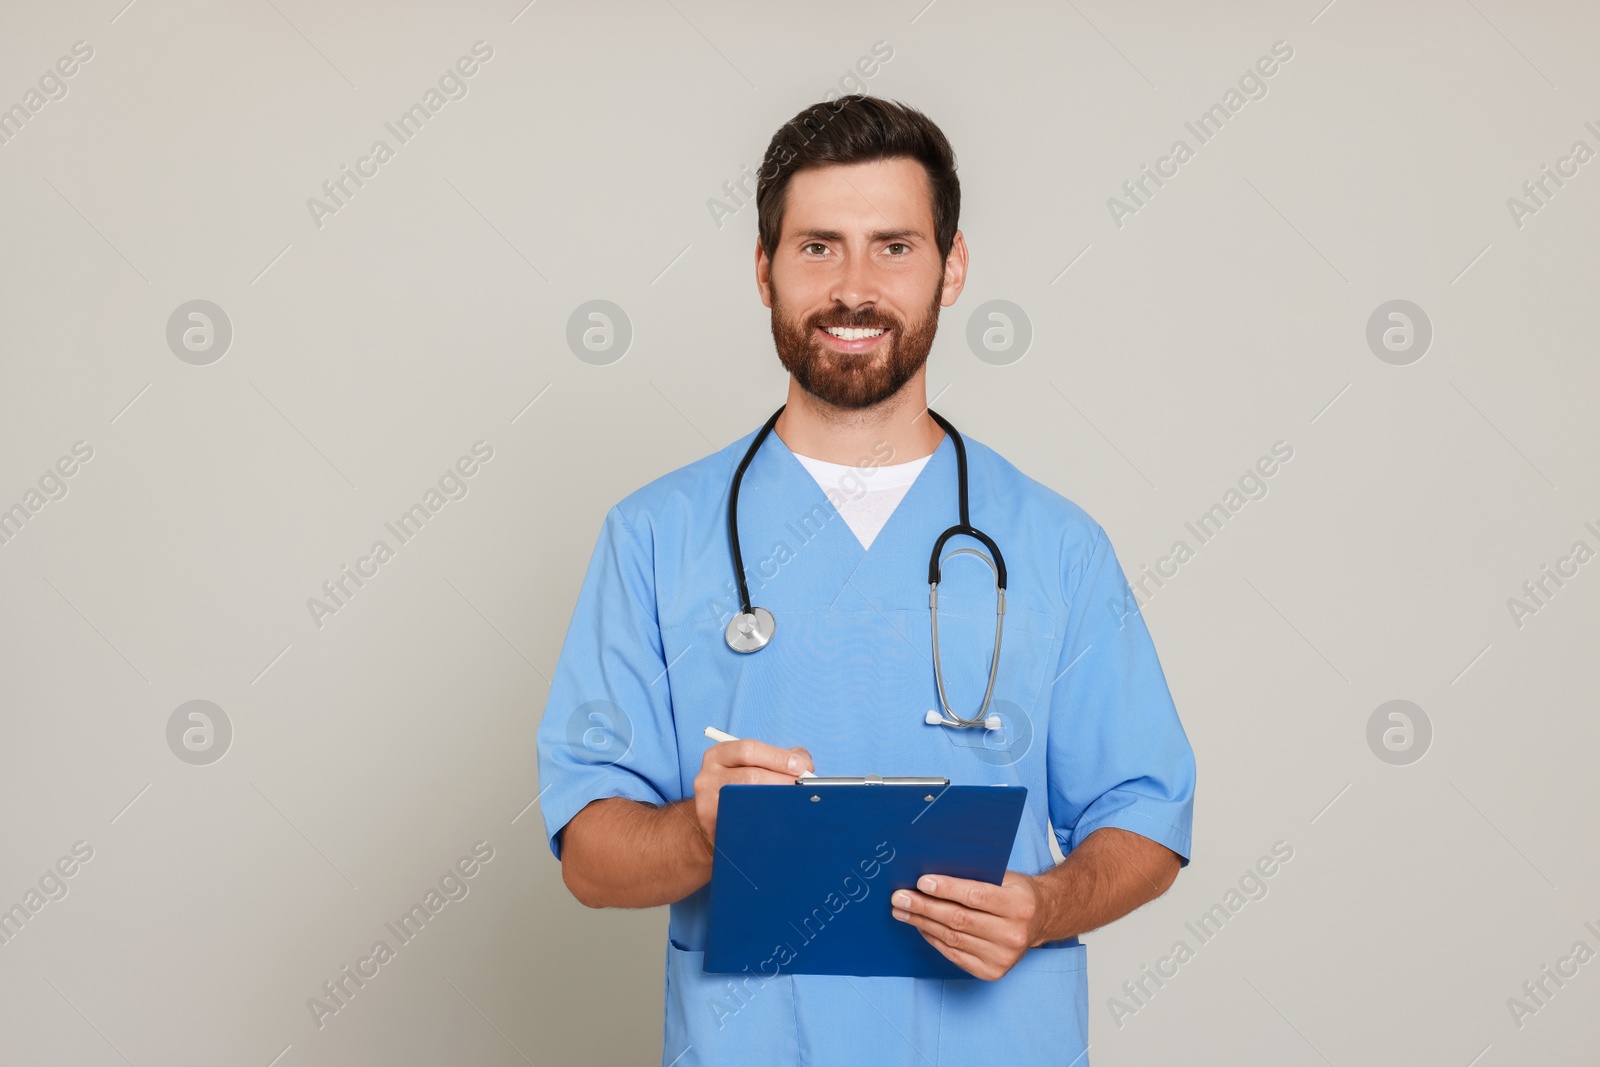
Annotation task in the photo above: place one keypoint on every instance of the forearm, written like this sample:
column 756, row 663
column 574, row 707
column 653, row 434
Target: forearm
column 618, row 853
column 1111, row 873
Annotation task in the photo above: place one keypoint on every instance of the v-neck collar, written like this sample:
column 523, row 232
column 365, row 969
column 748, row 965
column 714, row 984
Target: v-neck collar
column 789, row 493
column 912, row 490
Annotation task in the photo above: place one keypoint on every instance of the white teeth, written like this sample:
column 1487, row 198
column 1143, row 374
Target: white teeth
column 845, row 334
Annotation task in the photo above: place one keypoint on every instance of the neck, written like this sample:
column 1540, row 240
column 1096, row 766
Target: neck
column 812, row 428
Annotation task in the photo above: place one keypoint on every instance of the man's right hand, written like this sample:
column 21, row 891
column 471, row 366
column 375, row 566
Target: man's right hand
column 743, row 762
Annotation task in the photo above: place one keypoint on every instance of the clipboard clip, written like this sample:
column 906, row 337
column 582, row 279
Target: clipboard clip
column 873, row 779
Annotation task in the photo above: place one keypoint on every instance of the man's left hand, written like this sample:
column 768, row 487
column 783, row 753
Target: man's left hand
column 984, row 929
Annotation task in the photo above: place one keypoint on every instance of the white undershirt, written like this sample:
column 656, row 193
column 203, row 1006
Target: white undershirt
column 864, row 496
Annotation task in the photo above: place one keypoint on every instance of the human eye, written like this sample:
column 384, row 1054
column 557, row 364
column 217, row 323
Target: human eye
column 814, row 247
column 905, row 249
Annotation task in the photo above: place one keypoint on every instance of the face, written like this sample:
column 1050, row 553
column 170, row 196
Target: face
column 856, row 284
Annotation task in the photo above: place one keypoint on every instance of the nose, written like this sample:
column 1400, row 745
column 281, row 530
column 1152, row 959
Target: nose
column 857, row 286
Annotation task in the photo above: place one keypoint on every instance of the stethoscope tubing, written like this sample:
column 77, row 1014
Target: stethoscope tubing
column 754, row 623
column 733, row 509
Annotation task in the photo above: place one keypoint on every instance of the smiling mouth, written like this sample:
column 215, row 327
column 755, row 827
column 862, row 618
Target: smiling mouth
column 854, row 333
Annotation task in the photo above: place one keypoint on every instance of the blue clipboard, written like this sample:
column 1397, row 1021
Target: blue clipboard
column 802, row 874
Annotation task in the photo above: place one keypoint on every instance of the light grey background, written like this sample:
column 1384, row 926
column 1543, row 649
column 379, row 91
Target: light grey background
column 368, row 354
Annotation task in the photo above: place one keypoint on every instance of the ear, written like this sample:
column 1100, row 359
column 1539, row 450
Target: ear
column 955, row 271
column 763, row 275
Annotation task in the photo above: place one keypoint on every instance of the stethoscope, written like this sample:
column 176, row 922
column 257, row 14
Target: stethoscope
column 751, row 629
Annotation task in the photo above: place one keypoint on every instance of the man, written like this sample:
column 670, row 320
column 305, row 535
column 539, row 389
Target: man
column 858, row 204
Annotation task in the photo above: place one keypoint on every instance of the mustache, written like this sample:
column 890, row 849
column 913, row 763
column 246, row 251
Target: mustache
column 855, row 321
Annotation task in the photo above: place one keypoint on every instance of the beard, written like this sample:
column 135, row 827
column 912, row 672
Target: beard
column 853, row 381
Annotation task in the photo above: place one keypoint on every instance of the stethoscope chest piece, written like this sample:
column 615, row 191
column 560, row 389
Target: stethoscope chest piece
column 750, row 631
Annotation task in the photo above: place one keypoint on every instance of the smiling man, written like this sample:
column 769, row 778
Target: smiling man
column 859, row 248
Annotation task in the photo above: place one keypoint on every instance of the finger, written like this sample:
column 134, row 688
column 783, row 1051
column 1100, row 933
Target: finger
column 1009, row 940
column 940, row 935
column 756, row 776
column 952, row 917
column 748, row 752
column 975, row 957
column 976, row 966
column 980, row 896
column 709, row 781
column 804, row 753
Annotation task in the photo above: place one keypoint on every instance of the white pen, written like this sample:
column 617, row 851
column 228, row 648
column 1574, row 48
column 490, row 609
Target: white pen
column 722, row 735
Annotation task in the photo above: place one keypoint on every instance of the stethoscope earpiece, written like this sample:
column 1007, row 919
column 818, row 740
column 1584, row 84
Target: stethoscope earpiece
column 933, row 718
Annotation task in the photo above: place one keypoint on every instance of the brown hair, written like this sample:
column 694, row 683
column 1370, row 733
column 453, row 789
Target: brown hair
column 857, row 129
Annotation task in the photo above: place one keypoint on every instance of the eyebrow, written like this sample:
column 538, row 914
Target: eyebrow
column 873, row 238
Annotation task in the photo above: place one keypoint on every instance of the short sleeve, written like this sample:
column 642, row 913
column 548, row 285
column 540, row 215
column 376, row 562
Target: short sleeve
column 607, row 729
column 1118, row 755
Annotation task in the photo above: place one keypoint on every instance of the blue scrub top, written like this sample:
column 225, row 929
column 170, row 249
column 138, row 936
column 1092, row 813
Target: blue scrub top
column 1090, row 726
